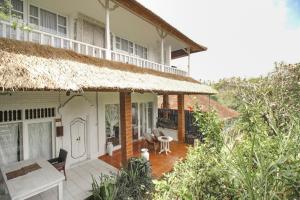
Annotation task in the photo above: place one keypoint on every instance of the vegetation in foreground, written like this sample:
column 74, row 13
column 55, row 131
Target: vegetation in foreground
column 257, row 156
column 133, row 182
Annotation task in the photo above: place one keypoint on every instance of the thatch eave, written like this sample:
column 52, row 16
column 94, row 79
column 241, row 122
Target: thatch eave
column 28, row 66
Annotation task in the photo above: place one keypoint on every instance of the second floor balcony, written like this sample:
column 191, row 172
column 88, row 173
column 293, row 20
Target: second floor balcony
column 100, row 29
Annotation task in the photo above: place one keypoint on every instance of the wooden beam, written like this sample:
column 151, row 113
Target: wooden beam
column 181, row 118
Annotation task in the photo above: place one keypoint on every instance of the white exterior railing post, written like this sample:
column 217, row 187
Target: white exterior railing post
column 107, row 31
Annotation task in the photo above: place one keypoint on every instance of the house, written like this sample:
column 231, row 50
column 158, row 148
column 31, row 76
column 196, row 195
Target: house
column 86, row 73
column 203, row 101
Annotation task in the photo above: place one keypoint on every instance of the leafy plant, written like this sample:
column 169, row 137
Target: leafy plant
column 133, row 182
column 258, row 157
column 104, row 188
column 7, row 15
column 210, row 126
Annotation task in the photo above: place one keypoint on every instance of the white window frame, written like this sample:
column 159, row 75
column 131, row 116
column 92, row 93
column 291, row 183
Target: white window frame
column 17, row 11
column 26, row 135
column 39, row 23
column 133, row 47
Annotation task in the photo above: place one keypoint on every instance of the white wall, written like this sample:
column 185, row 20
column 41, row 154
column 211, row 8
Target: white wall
column 85, row 105
column 123, row 23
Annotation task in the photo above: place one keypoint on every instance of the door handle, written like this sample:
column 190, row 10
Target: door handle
column 78, row 139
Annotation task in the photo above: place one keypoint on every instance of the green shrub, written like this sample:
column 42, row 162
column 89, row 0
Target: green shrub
column 104, row 188
column 210, row 125
column 135, row 181
column 132, row 182
column 258, row 157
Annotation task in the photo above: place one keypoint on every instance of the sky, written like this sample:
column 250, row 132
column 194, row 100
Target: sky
column 244, row 37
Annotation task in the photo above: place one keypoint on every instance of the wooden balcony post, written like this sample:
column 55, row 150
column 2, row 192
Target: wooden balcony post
column 181, row 118
column 126, row 127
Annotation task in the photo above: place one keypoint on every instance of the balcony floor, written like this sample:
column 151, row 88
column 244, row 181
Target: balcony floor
column 161, row 163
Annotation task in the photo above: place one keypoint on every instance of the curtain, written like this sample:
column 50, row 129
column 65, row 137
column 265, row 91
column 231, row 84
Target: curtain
column 48, row 20
column 40, row 140
column 9, row 143
column 150, row 115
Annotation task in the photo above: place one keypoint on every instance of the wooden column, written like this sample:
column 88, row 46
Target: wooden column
column 181, row 118
column 126, row 127
column 166, row 104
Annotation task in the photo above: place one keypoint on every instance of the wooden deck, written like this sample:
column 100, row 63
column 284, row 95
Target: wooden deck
column 161, row 163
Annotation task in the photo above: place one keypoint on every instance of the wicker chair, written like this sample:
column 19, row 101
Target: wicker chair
column 60, row 162
column 151, row 142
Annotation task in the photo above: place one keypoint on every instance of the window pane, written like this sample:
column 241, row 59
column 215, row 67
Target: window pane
column 17, row 5
column 34, row 11
column 124, row 45
column 130, row 47
column 48, row 20
column 139, row 51
column 62, row 21
column 17, row 14
column 145, row 53
column 62, row 30
column 34, row 21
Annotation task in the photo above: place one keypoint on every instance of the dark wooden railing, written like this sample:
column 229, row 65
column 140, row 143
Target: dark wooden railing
column 171, row 116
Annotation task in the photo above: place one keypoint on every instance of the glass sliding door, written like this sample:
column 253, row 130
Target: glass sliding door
column 11, row 143
column 40, row 140
column 146, row 118
column 135, row 121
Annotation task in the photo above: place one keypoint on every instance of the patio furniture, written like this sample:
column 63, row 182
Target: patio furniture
column 60, row 162
column 165, row 144
column 34, row 182
column 152, row 142
column 157, row 133
column 189, row 138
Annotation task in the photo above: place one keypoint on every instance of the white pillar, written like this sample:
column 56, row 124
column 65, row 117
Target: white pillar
column 162, row 56
column 189, row 61
column 107, row 31
column 169, row 55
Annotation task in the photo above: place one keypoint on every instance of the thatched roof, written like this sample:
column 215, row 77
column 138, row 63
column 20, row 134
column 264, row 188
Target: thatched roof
column 28, row 66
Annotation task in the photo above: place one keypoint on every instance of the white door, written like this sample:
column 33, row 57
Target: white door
column 78, row 139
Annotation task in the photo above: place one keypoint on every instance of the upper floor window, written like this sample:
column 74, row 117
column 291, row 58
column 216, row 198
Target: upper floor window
column 141, row 51
column 131, row 48
column 15, row 10
column 48, row 21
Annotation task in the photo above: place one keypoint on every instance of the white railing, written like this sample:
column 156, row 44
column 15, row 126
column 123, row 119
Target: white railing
column 58, row 41
column 134, row 60
column 53, row 40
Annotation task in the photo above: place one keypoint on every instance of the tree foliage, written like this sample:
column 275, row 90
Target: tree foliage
column 259, row 157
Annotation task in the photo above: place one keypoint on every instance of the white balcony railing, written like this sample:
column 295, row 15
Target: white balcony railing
column 131, row 59
column 57, row 41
